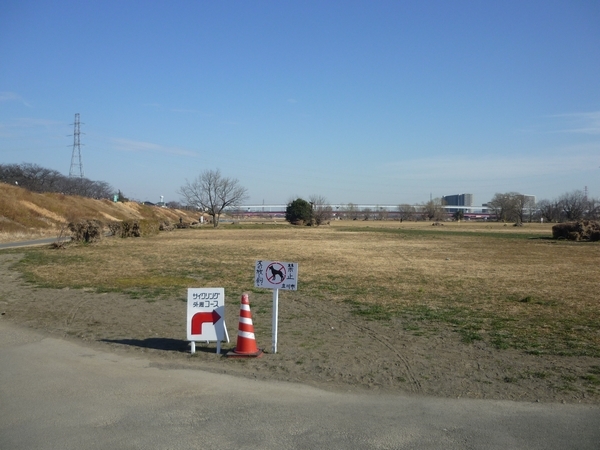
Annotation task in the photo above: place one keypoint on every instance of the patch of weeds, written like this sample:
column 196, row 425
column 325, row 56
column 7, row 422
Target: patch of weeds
column 592, row 379
column 534, row 352
column 508, row 379
column 545, row 303
column 499, row 341
column 401, row 379
column 567, row 387
column 370, row 312
column 594, row 370
column 312, row 344
column 527, row 299
column 152, row 293
column 540, row 375
column 469, row 336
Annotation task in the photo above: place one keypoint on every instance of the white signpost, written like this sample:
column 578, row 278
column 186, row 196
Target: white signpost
column 206, row 316
column 276, row 275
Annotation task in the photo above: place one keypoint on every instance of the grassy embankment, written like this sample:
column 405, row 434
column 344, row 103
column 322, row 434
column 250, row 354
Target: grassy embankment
column 27, row 215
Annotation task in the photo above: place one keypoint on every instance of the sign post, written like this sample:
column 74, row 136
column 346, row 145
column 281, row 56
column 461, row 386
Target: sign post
column 275, row 320
column 206, row 316
column 276, row 275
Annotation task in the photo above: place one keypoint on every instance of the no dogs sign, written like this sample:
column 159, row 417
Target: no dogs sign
column 276, row 275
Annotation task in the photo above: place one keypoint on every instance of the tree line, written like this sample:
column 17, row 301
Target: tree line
column 504, row 207
column 569, row 207
column 39, row 179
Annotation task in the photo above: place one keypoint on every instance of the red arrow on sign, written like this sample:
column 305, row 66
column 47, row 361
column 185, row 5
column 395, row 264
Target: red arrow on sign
column 204, row 317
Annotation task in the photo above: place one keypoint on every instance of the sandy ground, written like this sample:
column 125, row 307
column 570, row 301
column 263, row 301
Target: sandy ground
column 320, row 344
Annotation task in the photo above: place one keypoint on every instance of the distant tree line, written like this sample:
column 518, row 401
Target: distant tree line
column 504, row 207
column 569, row 207
column 39, row 179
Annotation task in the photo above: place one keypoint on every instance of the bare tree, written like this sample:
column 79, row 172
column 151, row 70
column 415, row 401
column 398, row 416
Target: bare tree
column 522, row 205
column 382, row 213
column 573, row 204
column 366, row 213
column 213, row 193
column 506, row 206
column 549, row 210
column 434, row 210
column 406, row 212
column 351, row 211
column 593, row 212
column 321, row 210
column 39, row 179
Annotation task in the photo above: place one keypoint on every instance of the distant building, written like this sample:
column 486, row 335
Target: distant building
column 458, row 200
column 529, row 200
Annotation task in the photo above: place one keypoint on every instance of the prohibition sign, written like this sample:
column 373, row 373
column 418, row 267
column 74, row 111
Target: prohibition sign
column 275, row 273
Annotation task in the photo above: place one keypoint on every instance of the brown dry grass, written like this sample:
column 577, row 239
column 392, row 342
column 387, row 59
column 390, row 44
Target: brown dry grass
column 512, row 287
column 26, row 215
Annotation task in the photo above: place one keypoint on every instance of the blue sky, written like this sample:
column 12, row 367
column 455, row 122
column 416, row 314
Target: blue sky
column 370, row 102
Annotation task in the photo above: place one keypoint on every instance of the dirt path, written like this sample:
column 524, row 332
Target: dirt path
column 320, row 343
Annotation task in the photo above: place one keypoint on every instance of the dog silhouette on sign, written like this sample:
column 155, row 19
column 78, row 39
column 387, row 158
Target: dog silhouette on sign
column 275, row 272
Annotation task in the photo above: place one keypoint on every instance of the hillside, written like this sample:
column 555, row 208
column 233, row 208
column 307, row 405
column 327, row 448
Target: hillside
column 27, row 215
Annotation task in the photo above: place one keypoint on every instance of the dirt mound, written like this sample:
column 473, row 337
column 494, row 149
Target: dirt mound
column 584, row 230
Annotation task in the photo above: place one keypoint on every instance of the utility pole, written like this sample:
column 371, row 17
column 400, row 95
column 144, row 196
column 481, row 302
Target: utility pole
column 76, row 164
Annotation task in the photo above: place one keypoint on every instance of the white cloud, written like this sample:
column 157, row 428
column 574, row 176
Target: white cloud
column 580, row 123
column 24, row 127
column 6, row 96
column 130, row 145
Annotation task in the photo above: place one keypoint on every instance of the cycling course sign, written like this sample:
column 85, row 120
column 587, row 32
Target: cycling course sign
column 206, row 313
column 276, row 275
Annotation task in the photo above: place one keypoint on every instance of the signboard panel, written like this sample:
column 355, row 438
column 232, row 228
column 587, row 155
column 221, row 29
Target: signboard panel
column 276, row 275
column 206, row 314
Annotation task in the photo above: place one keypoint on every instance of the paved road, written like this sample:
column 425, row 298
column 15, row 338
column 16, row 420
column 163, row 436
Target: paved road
column 45, row 241
column 57, row 394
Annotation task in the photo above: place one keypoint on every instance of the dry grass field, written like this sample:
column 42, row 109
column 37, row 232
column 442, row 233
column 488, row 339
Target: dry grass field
column 474, row 309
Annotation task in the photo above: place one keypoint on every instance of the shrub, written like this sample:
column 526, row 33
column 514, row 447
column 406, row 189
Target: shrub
column 585, row 230
column 298, row 212
column 87, row 231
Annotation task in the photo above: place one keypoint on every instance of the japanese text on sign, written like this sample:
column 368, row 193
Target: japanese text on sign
column 276, row 275
column 206, row 310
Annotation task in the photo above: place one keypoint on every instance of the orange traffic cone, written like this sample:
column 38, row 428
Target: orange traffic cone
column 246, row 342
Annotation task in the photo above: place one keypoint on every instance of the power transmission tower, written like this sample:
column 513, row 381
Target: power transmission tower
column 76, row 164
